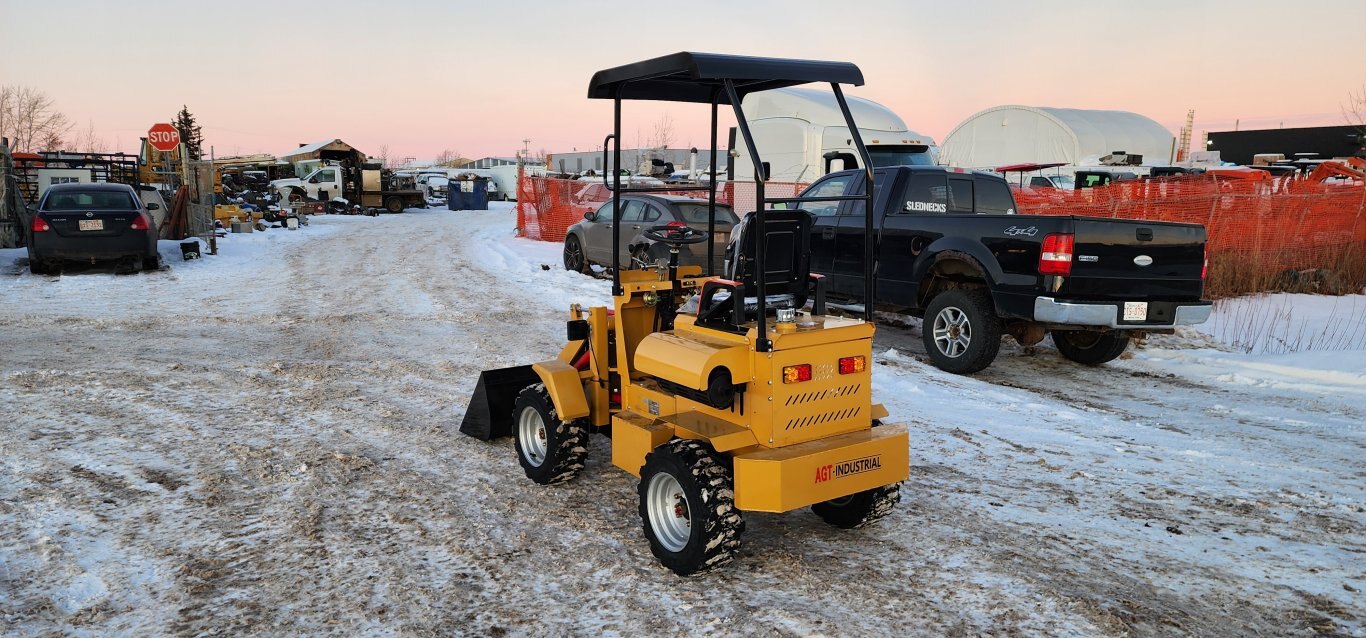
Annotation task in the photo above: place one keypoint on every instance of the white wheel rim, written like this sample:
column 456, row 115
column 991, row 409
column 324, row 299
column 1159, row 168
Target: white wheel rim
column 952, row 332
column 669, row 512
column 531, row 433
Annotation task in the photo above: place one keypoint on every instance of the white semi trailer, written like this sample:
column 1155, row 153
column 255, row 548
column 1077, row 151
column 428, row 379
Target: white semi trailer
column 798, row 127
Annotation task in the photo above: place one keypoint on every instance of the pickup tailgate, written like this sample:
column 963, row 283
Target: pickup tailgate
column 1122, row 259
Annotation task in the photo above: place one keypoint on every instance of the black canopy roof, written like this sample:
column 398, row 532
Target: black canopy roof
column 693, row 77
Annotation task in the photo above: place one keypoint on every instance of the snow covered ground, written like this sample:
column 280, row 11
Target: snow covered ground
column 262, row 442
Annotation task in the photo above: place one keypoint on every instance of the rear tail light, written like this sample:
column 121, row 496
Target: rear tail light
column 139, row 222
column 797, row 373
column 40, row 225
column 1204, row 270
column 851, row 365
column 1056, row 256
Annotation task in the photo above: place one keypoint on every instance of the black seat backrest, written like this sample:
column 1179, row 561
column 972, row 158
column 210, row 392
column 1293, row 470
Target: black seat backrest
column 787, row 255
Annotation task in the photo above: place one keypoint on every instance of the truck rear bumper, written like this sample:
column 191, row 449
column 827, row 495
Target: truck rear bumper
column 1169, row 314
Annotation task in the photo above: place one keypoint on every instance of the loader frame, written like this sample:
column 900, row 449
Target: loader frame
column 783, row 404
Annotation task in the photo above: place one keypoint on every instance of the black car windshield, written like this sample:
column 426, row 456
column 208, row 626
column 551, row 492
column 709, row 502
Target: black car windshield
column 900, row 155
column 697, row 214
column 89, row 200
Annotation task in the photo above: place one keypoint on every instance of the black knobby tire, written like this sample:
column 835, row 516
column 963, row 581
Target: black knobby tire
column 574, row 260
column 961, row 331
column 558, row 450
column 702, row 495
column 862, row 508
column 1090, row 348
column 393, row 205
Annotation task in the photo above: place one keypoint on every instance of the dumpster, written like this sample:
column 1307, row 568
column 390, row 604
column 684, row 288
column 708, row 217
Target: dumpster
column 478, row 196
column 455, row 195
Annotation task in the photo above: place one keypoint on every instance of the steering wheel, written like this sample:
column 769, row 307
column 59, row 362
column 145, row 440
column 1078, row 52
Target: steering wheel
column 675, row 235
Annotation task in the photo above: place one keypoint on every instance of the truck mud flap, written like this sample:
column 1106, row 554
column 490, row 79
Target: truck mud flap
column 489, row 414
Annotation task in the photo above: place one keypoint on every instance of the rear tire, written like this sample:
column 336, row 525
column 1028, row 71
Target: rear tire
column 393, row 205
column 574, row 260
column 1090, row 348
column 687, row 507
column 550, row 450
column 151, row 263
column 961, row 331
column 857, row 510
column 39, row 268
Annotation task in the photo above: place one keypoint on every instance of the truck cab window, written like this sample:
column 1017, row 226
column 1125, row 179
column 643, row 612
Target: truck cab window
column 925, row 193
column 960, row 196
column 834, row 186
column 993, row 198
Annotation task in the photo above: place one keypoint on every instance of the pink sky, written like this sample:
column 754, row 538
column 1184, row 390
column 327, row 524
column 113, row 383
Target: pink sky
column 478, row 78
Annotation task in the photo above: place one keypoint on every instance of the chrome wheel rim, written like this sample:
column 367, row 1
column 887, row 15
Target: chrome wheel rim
column 952, row 332
column 531, row 433
column 669, row 512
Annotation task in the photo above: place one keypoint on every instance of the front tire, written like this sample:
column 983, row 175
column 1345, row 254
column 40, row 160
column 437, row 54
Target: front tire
column 1090, row 348
column 857, row 510
column 961, row 331
column 687, row 507
column 574, row 260
column 551, row 451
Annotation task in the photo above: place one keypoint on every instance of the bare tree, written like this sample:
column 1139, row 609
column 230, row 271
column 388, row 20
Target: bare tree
column 1354, row 111
column 386, row 157
column 30, row 119
column 664, row 132
column 88, row 141
column 449, row 158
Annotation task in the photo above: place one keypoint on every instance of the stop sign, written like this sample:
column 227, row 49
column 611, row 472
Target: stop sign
column 163, row 137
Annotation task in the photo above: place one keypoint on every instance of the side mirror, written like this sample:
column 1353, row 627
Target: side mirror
column 590, row 216
column 154, row 206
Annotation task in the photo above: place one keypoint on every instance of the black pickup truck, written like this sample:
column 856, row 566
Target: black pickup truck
column 950, row 248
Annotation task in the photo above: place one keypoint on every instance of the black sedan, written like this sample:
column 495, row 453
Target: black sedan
column 91, row 222
column 590, row 241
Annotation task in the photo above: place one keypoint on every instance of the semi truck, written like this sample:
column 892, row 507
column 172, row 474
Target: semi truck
column 802, row 130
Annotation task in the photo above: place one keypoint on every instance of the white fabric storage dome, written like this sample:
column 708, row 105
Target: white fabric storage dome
column 1014, row 134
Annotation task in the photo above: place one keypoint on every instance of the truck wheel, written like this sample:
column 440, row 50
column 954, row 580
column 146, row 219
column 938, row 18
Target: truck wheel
column 1090, row 348
column 961, row 331
column 393, row 205
column 687, row 507
column 857, row 510
column 294, row 197
column 574, row 260
column 550, row 450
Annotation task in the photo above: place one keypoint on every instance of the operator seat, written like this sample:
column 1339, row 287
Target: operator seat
column 787, row 267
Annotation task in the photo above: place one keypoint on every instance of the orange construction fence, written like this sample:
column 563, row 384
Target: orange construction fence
column 1256, row 228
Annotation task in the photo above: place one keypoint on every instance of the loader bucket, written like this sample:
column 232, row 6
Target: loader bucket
column 489, row 414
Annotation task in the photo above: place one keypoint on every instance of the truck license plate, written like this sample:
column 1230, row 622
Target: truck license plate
column 92, row 224
column 1135, row 311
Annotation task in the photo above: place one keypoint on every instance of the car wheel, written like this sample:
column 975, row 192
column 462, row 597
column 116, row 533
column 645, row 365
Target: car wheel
column 862, row 508
column 152, row 262
column 38, row 268
column 961, row 331
column 551, row 451
column 687, row 507
column 393, row 205
column 574, row 260
column 1090, row 348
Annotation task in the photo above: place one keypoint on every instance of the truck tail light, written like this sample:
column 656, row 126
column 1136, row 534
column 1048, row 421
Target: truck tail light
column 797, row 373
column 40, row 225
column 851, row 365
column 139, row 222
column 1056, row 256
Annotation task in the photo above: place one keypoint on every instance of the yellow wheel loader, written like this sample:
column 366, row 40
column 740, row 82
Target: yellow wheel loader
column 725, row 393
